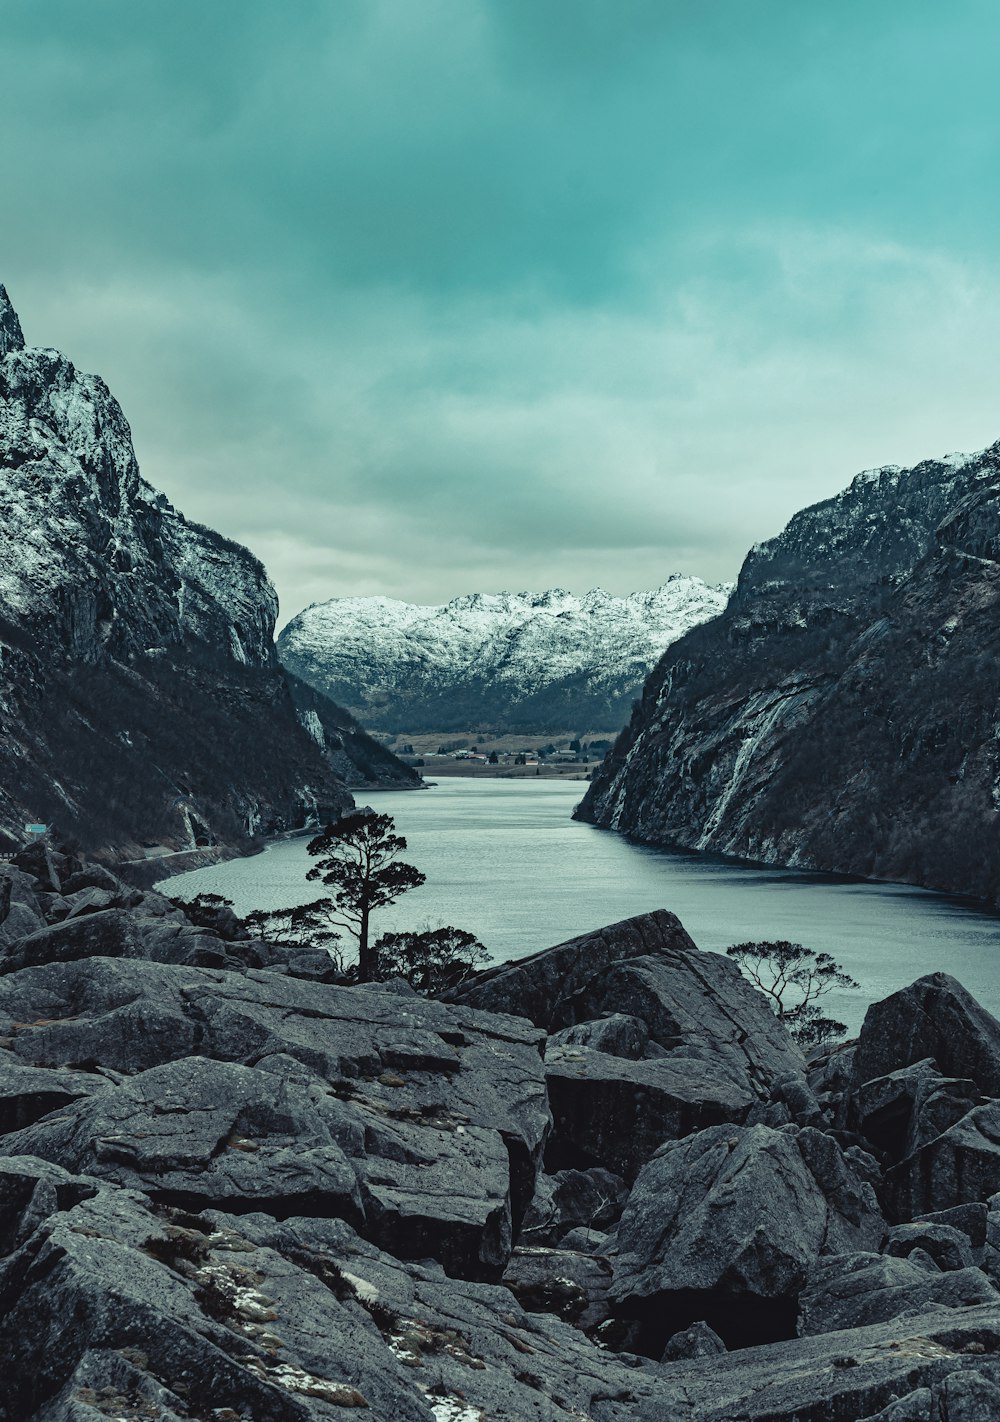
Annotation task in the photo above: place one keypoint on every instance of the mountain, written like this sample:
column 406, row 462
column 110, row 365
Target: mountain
column 141, row 700
column 497, row 662
column 842, row 713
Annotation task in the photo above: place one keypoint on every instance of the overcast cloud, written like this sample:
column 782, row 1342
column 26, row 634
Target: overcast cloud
column 421, row 297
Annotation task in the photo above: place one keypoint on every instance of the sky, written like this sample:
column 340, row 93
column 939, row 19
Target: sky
column 426, row 297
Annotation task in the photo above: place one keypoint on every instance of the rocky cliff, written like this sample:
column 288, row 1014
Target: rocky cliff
column 502, row 662
column 842, row 713
column 233, row 1188
column 141, row 701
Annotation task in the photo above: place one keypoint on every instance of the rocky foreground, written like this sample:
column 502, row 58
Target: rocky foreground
column 602, row 1183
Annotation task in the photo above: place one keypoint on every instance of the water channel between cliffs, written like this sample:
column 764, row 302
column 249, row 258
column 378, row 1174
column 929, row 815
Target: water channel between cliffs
column 504, row 859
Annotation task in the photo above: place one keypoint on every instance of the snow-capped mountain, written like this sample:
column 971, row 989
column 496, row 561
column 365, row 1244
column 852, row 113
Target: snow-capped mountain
column 842, row 713
column 140, row 696
column 505, row 661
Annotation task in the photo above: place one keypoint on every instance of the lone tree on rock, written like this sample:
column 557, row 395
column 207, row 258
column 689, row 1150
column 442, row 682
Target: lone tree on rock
column 356, row 859
column 794, row 978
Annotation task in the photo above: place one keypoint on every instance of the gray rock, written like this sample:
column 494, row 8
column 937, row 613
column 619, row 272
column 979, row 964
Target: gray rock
column 28, row 1093
column 408, row 1061
column 700, row 1007
column 113, row 1309
column 95, row 876
column 733, row 1217
column 440, row 1110
column 934, row 1017
column 948, row 1247
column 971, row 1219
column 904, row 1110
column 540, row 987
column 583, row 1240
column 46, row 866
column 916, row 1406
column 850, row 1291
column 615, row 1112
column 571, row 1285
column 833, row 1377
column 960, row 1166
column 698, row 1341
column 970, row 1397
column 24, row 914
column 573, row 1200
column 617, row 1034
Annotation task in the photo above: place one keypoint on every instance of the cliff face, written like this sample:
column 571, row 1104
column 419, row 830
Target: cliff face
column 842, row 713
column 494, row 662
column 141, row 701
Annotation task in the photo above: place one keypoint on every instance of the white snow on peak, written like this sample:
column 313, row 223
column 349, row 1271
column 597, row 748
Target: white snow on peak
column 85, row 542
column 520, row 643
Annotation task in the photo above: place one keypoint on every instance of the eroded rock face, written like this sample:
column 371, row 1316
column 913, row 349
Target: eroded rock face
column 422, row 1124
column 936, row 1019
column 850, row 1291
column 240, row 1191
column 836, row 662
column 143, row 700
column 544, row 985
column 735, row 1218
column 618, row 1112
column 960, row 1166
column 187, row 1315
column 653, row 1040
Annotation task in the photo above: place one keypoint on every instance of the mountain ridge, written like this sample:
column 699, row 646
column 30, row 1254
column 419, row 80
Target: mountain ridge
column 141, row 699
column 840, row 715
column 517, row 661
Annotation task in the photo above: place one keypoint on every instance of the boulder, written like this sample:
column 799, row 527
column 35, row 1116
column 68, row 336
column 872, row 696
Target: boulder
column 726, row 1225
column 23, row 912
column 540, row 986
column 111, row 1308
column 28, row 1093
column 571, row 1201
column 972, row 1220
column 900, row 1112
column 948, row 1247
column 442, row 1111
column 46, row 866
column 699, row 1006
column 617, row 1034
column 95, row 876
column 970, row 1397
column 850, row 1291
column 698, row 1341
column 837, row 1377
column 959, row 1166
column 610, row 1111
column 932, row 1018
column 571, row 1285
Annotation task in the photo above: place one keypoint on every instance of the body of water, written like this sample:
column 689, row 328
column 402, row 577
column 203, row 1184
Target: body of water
column 504, row 860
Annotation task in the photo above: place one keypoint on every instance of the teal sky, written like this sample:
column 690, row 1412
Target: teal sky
column 423, row 297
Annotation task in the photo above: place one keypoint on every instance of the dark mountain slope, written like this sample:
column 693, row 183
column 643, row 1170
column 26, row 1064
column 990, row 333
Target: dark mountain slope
column 141, row 700
column 842, row 713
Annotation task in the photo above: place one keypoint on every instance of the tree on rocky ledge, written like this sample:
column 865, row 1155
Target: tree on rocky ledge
column 433, row 960
column 793, row 978
column 356, row 859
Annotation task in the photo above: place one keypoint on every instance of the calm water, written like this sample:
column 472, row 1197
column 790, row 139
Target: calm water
column 504, row 859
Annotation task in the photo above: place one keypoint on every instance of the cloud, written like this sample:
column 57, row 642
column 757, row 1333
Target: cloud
column 421, row 299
